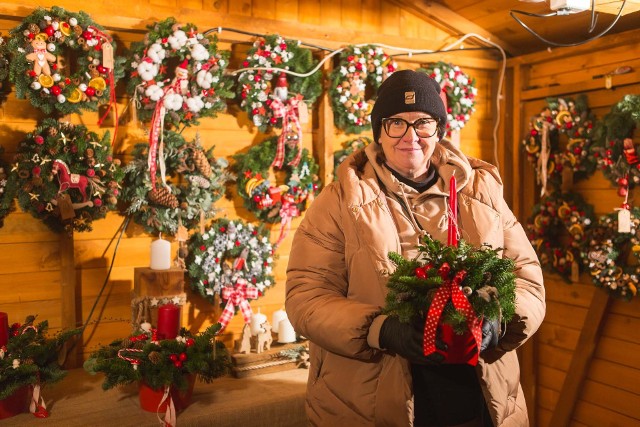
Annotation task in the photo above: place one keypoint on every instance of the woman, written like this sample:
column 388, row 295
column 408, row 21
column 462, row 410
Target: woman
column 367, row 368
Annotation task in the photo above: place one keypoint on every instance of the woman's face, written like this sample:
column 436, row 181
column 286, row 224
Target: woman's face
column 409, row 154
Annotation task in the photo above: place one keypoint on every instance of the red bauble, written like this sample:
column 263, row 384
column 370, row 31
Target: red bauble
column 87, row 35
column 90, row 91
column 622, row 192
column 623, row 182
column 49, row 31
column 56, row 90
column 420, row 273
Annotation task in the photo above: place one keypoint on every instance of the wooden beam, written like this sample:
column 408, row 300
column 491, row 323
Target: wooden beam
column 324, row 145
column 581, row 87
column 581, row 359
column 450, row 21
column 68, row 301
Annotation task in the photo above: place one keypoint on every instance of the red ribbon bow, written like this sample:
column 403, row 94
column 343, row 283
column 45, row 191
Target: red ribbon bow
column 288, row 211
column 289, row 114
column 237, row 297
column 450, row 289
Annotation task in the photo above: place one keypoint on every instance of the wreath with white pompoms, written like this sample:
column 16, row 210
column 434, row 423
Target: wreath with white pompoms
column 359, row 67
column 36, row 45
column 195, row 87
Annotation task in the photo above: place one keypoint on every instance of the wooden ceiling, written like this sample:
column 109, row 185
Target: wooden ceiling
column 492, row 19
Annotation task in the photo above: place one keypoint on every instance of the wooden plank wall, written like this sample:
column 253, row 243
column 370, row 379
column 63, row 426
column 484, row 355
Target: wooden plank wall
column 610, row 391
column 29, row 253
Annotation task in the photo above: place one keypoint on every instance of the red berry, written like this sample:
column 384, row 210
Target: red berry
column 182, row 357
column 190, row 342
column 173, row 357
column 420, row 273
column 177, row 364
column 623, row 182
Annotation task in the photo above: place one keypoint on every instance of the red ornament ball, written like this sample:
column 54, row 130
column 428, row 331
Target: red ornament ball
column 90, row 91
column 56, row 90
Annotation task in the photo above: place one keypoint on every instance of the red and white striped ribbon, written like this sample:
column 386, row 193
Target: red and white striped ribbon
column 170, row 418
column 237, row 297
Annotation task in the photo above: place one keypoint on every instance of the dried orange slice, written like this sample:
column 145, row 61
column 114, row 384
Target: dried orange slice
column 45, row 81
column 65, row 29
column 42, row 36
column 75, row 97
column 98, row 83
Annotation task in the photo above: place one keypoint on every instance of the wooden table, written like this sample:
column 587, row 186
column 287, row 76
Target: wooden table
column 274, row 399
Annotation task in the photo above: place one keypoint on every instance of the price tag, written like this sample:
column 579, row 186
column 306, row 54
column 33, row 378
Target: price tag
column 575, row 272
column 107, row 55
column 66, row 207
column 624, row 221
column 303, row 112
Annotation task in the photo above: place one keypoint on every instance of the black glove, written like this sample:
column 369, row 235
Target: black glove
column 405, row 339
column 490, row 334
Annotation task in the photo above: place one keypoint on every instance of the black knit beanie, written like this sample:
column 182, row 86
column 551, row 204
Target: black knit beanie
column 407, row 90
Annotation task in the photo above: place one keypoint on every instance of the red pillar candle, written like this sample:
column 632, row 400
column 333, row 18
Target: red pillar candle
column 4, row 329
column 168, row 321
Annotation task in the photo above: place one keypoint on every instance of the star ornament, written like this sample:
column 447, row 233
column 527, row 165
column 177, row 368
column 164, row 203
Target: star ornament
column 33, row 196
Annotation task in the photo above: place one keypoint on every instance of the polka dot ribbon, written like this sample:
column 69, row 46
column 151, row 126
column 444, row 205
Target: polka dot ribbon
column 450, row 289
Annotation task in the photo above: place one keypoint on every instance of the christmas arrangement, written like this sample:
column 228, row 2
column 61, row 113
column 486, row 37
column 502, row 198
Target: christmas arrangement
column 232, row 260
column 29, row 358
column 460, row 90
column 359, row 68
column 43, row 37
column 272, row 94
column 557, row 228
column 195, row 88
column 614, row 148
column 280, row 196
column 178, row 187
column 612, row 254
column 348, row 147
column 65, row 175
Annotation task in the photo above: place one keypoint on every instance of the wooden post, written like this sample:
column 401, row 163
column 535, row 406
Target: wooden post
column 324, row 147
column 580, row 360
column 68, row 304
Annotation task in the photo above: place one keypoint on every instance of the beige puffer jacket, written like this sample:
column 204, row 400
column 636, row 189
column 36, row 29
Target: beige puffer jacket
column 336, row 285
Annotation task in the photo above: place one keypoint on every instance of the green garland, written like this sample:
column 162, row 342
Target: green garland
column 359, row 67
column 195, row 177
column 573, row 120
column 460, row 90
column 614, row 149
column 613, row 258
column 30, row 357
column 6, row 196
column 348, row 147
column 91, row 177
column 265, row 198
column 212, row 255
column 205, row 88
column 557, row 228
column 257, row 88
column 4, row 66
column 161, row 363
column 414, row 283
column 52, row 32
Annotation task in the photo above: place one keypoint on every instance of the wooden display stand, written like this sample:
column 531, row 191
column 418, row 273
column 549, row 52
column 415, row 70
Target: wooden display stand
column 152, row 288
column 252, row 363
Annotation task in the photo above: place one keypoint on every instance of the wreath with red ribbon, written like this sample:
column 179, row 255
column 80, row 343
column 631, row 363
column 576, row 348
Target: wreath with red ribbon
column 557, row 229
column 66, row 175
column 37, row 43
column 180, row 70
column 233, row 260
column 551, row 154
column 267, row 94
column 615, row 149
column 359, row 68
column 270, row 201
column 613, row 258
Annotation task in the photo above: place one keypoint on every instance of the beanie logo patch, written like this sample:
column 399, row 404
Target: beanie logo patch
column 410, row 97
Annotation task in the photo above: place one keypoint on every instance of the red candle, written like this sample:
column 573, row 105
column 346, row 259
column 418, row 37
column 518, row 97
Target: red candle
column 4, row 329
column 453, row 213
column 168, row 321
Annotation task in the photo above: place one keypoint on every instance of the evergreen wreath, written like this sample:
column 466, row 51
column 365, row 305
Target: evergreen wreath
column 48, row 33
column 348, row 147
column 613, row 258
column 265, row 198
column 4, row 65
column 257, row 89
column 6, row 196
column 30, row 358
column 181, row 68
column 140, row 357
column 460, row 90
column 414, row 283
column 230, row 250
column 360, row 71
column 65, row 175
column 573, row 120
column 195, row 181
column 557, row 228
column 614, row 148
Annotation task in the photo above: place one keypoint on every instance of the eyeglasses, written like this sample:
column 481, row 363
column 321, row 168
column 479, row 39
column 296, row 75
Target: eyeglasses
column 396, row 127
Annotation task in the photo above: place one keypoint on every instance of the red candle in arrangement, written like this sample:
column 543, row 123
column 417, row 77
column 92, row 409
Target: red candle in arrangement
column 4, row 328
column 453, row 213
column 168, row 321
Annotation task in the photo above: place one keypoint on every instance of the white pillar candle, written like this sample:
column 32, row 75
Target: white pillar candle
column 286, row 333
column 278, row 316
column 160, row 254
column 257, row 319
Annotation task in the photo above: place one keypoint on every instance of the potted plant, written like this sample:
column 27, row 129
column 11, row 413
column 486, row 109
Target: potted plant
column 165, row 369
column 28, row 361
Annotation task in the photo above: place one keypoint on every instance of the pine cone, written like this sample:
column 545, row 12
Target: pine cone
column 126, row 343
column 202, row 163
column 162, row 196
column 155, row 357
